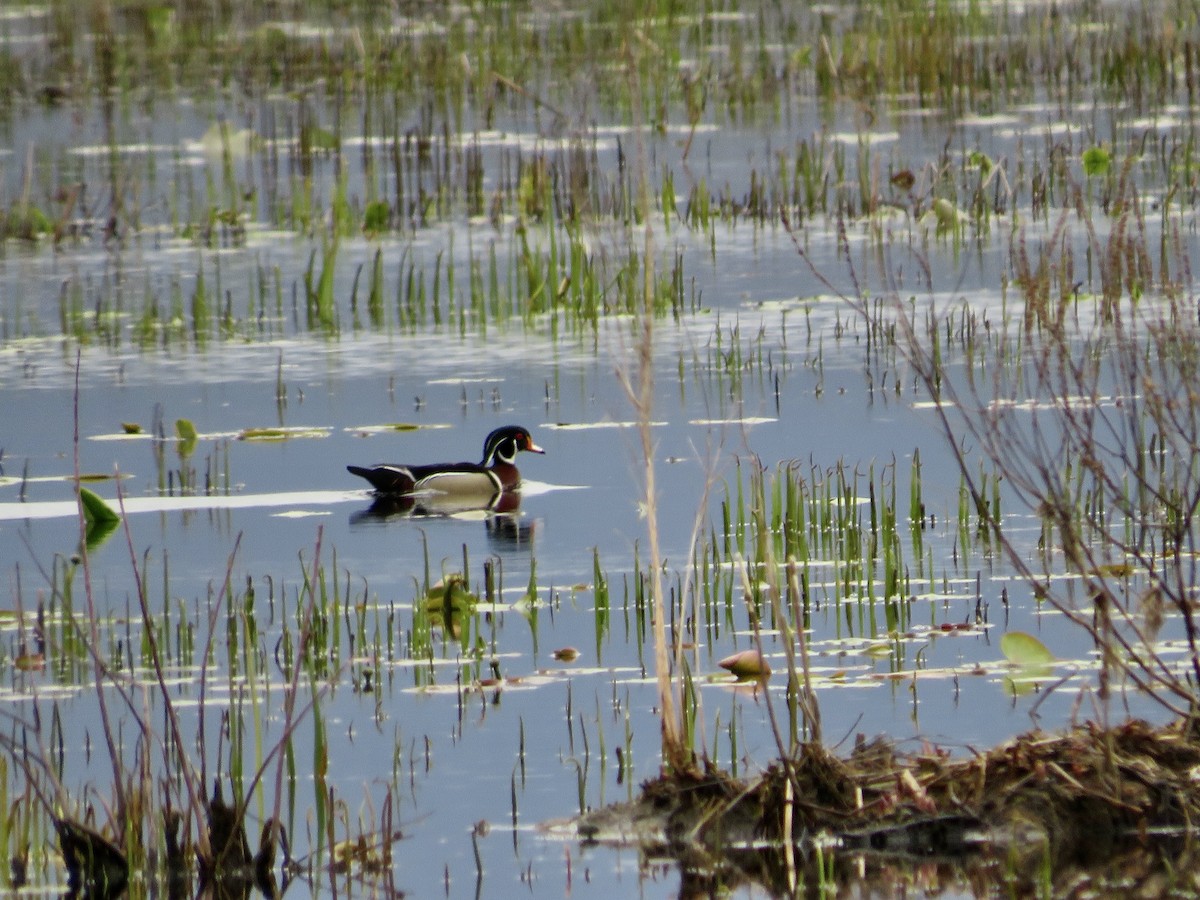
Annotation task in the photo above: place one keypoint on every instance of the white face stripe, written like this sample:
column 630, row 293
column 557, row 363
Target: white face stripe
column 507, row 444
column 498, row 452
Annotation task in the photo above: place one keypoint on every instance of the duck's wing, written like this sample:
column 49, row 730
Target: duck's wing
column 460, row 479
column 447, row 478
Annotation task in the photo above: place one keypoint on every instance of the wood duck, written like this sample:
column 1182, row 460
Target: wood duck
column 495, row 475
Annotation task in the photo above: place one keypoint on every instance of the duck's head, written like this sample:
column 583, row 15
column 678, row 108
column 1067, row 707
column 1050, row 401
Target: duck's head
column 503, row 445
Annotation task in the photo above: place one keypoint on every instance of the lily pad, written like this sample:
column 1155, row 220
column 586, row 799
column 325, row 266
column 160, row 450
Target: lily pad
column 281, row 434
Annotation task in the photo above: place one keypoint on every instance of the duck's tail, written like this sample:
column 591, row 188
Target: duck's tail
column 385, row 479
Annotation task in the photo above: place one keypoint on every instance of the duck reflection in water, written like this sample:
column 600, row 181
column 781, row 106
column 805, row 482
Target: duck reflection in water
column 501, row 514
column 491, row 486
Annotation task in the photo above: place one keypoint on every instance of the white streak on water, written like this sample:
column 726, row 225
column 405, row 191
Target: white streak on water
column 53, row 509
column 298, row 500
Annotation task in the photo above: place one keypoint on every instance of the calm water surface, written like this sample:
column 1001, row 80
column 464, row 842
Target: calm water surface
column 449, row 753
column 457, row 759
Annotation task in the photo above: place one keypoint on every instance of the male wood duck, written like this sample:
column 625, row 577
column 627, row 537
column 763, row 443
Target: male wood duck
column 496, row 474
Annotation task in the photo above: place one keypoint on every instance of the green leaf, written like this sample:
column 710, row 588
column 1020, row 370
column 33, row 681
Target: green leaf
column 285, row 433
column 1096, row 161
column 321, row 139
column 28, row 223
column 450, row 595
column 95, row 510
column 186, row 432
column 449, row 604
column 376, row 217
column 1023, row 649
column 97, row 533
column 981, row 161
column 100, row 518
column 947, row 214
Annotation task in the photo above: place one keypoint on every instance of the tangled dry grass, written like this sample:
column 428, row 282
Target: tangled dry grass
column 1056, row 812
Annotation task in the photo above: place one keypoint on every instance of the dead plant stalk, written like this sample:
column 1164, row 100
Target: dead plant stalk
column 675, row 751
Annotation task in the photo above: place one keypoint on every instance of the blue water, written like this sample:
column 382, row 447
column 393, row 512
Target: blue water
column 524, row 752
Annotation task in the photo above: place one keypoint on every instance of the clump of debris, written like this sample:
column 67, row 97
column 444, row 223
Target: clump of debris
column 1040, row 812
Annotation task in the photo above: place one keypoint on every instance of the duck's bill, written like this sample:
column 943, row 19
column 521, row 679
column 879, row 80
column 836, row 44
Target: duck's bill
column 533, row 448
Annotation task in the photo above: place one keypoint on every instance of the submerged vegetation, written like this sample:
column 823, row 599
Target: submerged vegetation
column 572, row 184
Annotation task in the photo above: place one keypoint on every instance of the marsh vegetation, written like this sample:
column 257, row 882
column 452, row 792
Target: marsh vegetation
column 862, row 340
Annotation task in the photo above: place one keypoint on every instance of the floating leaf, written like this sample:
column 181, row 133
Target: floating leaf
column 747, row 665
column 131, row 427
column 280, row 434
column 1023, row 649
column 566, row 654
column 1033, row 661
column 1096, row 161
